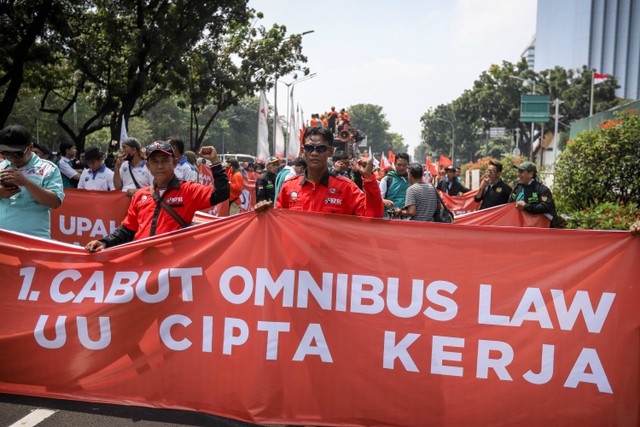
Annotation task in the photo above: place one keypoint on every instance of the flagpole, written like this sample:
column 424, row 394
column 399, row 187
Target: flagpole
column 591, row 103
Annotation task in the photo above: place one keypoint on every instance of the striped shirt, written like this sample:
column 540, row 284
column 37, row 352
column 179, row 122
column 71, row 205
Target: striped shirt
column 424, row 197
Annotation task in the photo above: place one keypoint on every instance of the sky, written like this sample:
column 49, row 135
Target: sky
column 405, row 55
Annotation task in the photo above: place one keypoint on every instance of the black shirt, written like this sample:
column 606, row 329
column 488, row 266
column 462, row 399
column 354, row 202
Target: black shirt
column 494, row 195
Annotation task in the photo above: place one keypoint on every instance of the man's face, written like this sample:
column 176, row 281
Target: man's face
column 18, row 158
column 94, row 165
column 161, row 166
column 524, row 177
column 451, row 174
column 316, row 151
column 402, row 166
column 71, row 152
column 272, row 167
column 493, row 174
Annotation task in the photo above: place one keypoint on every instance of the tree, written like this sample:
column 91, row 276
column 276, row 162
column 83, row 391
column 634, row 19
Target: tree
column 217, row 81
column 494, row 101
column 122, row 58
column 601, row 165
column 29, row 32
column 371, row 120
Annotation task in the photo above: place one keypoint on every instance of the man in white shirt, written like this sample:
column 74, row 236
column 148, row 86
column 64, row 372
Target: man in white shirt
column 97, row 176
column 184, row 171
column 70, row 175
column 130, row 171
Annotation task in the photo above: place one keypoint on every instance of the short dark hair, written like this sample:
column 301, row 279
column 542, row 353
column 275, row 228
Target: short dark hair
column 402, row 156
column 92, row 153
column 300, row 162
column 322, row 131
column 415, row 170
column 64, row 146
column 234, row 163
column 45, row 150
column 177, row 143
column 340, row 155
column 497, row 164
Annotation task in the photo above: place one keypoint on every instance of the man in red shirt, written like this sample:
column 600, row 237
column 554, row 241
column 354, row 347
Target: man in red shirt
column 317, row 190
column 168, row 204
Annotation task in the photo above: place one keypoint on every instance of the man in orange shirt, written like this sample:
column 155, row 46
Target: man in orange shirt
column 236, row 182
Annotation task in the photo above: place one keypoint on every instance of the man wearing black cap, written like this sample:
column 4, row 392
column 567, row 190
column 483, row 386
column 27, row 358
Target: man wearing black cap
column 450, row 184
column 531, row 195
column 266, row 184
column 169, row 204
column 29, row 186
column 97, row 176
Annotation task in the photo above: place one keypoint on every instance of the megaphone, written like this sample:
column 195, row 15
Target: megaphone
column 344, row 135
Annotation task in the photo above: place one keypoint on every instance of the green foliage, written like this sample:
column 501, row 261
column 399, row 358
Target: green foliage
column 605, row 216
column 113, row 59
column 371, row 120
column 600, row 166
column 494, row 101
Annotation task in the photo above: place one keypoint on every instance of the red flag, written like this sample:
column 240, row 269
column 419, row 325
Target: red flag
column 384, row 163
column 392, row 157
column 445, row 161
column 599, row 78
column 431, row 167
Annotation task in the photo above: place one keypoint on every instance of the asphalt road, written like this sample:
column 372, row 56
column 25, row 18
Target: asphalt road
column 71, row 413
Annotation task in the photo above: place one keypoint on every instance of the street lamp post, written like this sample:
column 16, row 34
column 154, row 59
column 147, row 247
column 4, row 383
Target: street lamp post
column 275, row 96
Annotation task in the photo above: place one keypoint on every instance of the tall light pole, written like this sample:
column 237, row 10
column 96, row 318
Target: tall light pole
column 275, row 95
column 293, row 83
column 533, row 83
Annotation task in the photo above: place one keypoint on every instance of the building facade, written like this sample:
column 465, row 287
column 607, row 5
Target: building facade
column 604, row 35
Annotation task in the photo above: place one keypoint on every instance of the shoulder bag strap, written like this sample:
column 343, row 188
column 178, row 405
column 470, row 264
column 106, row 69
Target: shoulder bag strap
column 132, row 176
column 168, row 209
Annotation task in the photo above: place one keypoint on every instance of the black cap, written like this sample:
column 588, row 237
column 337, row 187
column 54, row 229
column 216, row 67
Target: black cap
column 14, row 138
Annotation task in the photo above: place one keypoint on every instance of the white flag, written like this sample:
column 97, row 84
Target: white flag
column 123, row 131
column 376, row 163
column 280, row 141
column 263, row 128
column 294, row 145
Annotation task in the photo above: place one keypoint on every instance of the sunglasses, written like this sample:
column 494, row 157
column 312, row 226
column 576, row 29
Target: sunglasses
column 159, row 146
column 320, row 149
column 14, row 154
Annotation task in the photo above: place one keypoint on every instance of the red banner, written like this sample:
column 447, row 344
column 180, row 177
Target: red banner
column 504, row 216
column 88, row 215
column 258, row 318
column 460, row 205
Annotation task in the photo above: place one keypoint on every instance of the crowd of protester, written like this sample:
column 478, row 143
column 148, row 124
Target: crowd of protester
column 322, row 179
